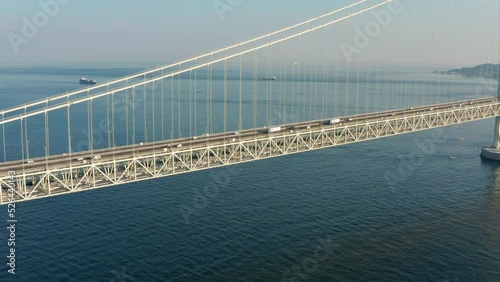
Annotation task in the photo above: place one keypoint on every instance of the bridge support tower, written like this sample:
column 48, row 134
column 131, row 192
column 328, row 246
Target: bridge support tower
column 493, row 152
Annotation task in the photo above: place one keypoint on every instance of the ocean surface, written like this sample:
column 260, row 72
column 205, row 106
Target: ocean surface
column 361, row 212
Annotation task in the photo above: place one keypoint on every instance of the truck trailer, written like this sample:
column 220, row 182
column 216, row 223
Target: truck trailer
column 273, row 129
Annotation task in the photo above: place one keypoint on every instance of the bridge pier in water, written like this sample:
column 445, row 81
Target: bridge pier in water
column 493, row 152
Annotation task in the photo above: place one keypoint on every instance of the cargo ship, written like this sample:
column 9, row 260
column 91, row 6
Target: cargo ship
column 270, row 78
column 86, row 81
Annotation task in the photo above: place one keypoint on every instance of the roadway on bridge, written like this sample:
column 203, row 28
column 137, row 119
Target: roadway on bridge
column 109, row 154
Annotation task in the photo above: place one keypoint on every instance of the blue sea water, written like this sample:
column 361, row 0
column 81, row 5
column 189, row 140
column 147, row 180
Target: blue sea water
column 350, row 213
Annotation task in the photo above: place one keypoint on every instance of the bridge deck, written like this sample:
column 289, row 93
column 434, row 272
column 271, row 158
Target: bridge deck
column 61, row 174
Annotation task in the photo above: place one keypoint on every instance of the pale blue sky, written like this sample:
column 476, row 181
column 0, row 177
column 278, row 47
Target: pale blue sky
column 448, row 32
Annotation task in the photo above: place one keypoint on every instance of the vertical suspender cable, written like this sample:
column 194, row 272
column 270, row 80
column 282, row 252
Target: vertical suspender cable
column 26, row 136
column 287, row 85
column 318, row 73
column 69, row 129
column 299, row 80
column 162, row 110
column 255, row 89
column 357, row 87
column 107, row 117
column 145, row 101
column 91, row 115
column 113, row 121
column 269, row 99
column 376, row 89
column 179, row 103
column 280, row 90
column 48, row 135
column 195, row 102
column 404, row 102
column 240, row 121
column 297, row 93
column 386, row 92
column 283, row 94
column 310, row 94
column 379, row 91
column 133, row 116
column 190, row 103
column 406, row 85
column 401, row 93
column 316, row 89
column 225, row 96
column 327, row 90
column 153, row 111
column 422, row 93
column 438, row 95
column 47, row 138
column 336, row 104
column 438, row 92
column 3, row 141
column 254, row 109
column 367, row 91
column 22, row 139
column 172, row 93
column 88, row 123
column 208, row 100
column 295, row 65
column 347, row 91
column 304, row 94
column 126, row 116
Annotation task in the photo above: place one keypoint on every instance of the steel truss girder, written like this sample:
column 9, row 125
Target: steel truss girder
column 58, row 181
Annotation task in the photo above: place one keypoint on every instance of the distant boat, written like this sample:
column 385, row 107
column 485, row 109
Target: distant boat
column 86, row 81
column 270, row 78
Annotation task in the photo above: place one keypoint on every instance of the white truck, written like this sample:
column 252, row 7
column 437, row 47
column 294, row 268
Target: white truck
column 333, row 121
column 273, row 129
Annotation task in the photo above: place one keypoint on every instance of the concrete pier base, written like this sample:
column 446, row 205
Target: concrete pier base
column 491, row 153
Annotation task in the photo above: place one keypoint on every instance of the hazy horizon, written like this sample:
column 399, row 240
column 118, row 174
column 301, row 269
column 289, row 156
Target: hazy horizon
column 448, row 33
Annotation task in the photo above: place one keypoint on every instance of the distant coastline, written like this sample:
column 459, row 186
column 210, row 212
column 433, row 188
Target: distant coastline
column 487, row 71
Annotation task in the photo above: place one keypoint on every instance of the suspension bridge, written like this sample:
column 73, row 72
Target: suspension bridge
column 254, row 100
